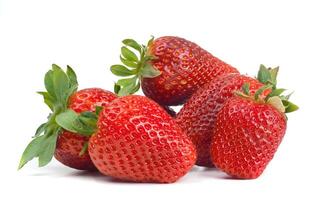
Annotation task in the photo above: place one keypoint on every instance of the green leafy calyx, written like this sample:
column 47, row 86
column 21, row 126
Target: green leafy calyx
column 59, row 86
column 136, row 64
column 274, row 97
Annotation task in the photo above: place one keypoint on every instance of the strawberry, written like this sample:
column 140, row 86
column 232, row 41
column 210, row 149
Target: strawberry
column 169, row 69
column 138, row 141
column 135, row 139
column 69, row 145
column 198, row 115
column 248, row 131
column 69, row 148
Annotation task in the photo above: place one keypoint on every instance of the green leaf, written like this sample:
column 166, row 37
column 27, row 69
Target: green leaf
column 84, row 149
column 116, row 88
column 273, row 75
column 261, row 90
column 264, row 74
column 31, row 151
column 132, row 43
column 73, row 122
column 127, row 81
column 128, row 89
column 276, row 92
column 98, row 110
column 149, row 71
column 121, row 70
column 72, row 76
column 290, row 107
column 151, row 40
column 41, row 129
column 136, row 88
column 128, row 63
column 48, row 82
column 47, row 99
column 246, row 88
column 48, row 148
column 128, row 54
column 61, row 84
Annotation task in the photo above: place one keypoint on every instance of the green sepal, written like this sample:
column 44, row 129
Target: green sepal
column 60, row 86
column 48, row 99
column 41, row 129
column 83, row 123
column 42, row 147
column 128, row 63
column 116, row 88
column 261, row 90
column 132, row 43
column 129, row 55
column 121, row 70
column 84, row 149
column 290, row 107
column 142, row 67
column 48, row 147
column 98, row 110
column 246, row 88
column 150, row 72
column 276, row 92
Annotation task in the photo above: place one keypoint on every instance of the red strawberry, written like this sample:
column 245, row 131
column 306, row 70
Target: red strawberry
column 198, row 115
column 248, row 132
column 170, row 69
column 138, row 141
column 69, row 145
column 69, row 148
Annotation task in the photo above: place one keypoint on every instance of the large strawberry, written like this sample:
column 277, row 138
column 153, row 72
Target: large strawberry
column 248, row 131
column 198, row 115
column 138, row 141
column 50, row 139
column 170, row 69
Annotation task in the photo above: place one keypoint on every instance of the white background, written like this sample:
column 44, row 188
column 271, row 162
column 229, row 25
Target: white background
column 87, row 35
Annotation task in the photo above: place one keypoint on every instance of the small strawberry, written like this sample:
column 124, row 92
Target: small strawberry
column 198, row 115
column 170, row 69
column 69, row 148
column 248, row 130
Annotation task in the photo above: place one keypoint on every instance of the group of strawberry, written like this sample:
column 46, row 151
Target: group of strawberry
column 229, row 121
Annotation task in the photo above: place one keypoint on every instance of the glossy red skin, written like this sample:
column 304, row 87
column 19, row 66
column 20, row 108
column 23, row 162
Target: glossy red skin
column 138, row 141
column 184, row 67
column 246, row 137
column 197, row 116
column 69, row 144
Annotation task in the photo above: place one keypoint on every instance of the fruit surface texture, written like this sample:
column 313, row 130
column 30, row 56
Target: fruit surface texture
column 138, row 141
column 198, row 115
column 246, row 136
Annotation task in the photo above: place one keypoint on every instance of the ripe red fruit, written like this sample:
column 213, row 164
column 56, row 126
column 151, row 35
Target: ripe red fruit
column 170, row 68
column 249, row 128
column 61, row 96
column 138, row 141
column 69, row 145
column 198, row 115
column 246, row 136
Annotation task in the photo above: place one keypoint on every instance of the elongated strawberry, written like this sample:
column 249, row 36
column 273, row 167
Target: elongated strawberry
column 50, row 139
column 170, row 69
column 138, row 141
column 248, row 131
column 198, row 115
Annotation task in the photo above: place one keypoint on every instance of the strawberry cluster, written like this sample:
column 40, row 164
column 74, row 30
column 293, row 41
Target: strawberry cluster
column 228, row 120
